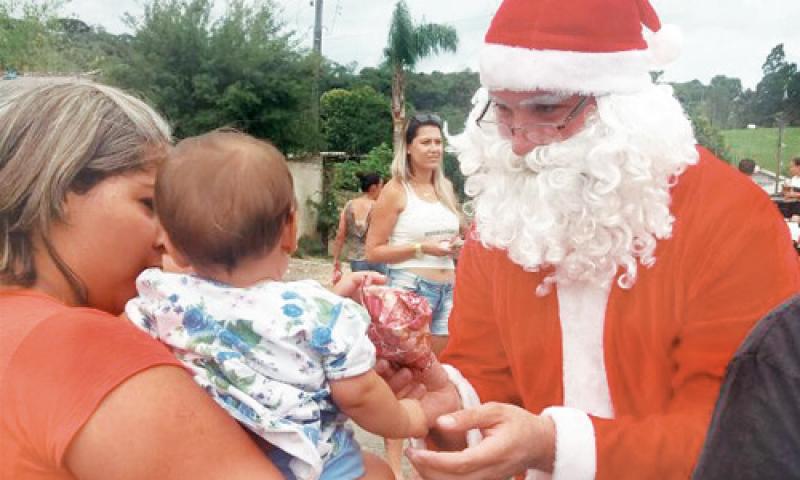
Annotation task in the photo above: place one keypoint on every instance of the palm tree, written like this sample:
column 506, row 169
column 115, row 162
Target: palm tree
column 408, row 44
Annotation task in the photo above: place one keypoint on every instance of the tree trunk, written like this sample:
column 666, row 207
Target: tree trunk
column 398, row 106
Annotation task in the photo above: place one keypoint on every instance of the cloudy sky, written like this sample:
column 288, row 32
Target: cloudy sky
column 728, row 37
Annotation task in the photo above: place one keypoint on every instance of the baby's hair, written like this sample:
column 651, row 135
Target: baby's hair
column 224, row 196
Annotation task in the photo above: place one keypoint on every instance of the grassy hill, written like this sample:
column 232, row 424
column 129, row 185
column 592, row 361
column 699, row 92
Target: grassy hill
column 761, row 144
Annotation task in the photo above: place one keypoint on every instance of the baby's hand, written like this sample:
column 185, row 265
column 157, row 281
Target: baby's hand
column 417, row 421
column 350, row 284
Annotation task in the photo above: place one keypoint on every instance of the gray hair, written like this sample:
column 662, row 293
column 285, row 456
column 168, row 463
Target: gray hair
column 61, row 138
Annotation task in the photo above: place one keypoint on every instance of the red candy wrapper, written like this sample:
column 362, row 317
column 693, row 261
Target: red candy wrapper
column 400, row 326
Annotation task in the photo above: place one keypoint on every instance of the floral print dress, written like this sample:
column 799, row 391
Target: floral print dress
column 265, row 353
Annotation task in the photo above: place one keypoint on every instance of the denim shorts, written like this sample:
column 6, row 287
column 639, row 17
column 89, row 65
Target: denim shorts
column 346, row 463
column 438, row 294
column 363, row 265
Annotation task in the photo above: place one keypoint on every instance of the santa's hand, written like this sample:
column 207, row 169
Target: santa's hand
column 514, row 441
column 350, row 284
column 432, row 387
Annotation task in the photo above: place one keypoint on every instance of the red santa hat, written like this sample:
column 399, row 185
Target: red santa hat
column 583, row 46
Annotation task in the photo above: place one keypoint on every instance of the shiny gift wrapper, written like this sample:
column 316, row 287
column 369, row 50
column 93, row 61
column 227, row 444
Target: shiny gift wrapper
column 400, row 326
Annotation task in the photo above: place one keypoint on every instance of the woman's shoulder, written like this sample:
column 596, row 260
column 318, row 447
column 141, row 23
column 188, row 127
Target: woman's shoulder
column 394, row 184
column 394, row 192
column 63, row 366
column 35, row 314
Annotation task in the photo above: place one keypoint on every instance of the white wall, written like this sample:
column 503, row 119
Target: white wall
column 307, row 174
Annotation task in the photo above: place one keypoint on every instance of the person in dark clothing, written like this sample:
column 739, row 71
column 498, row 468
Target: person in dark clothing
column 747, row 166
column 755, row 429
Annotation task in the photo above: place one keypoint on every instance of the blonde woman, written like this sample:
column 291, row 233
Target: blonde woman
column 84, row 394
column 415, row 230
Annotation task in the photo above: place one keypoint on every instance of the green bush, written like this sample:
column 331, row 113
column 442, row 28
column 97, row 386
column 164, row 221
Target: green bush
column 310, row 247
column 378, row 160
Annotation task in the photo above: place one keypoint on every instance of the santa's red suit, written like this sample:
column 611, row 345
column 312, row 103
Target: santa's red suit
column 644, row 363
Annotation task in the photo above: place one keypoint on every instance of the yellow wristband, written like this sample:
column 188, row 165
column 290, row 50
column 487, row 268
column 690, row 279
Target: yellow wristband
column 418, row 253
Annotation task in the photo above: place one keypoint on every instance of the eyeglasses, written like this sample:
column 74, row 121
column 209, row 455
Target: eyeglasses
column 427, row 118
column 540, row 133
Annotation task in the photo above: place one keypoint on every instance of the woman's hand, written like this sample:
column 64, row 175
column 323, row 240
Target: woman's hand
column 350, row 284
column 514, row 441
column 455, row 244
column 440, row 248
column 337, row 273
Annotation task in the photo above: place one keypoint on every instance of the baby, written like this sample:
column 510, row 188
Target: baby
column 289, row 360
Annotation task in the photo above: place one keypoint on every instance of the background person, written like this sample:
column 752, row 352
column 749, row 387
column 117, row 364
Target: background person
column 791, row 190
column 353, row 224
column 84, row 394
column 747, row 166
column 753, row 432
column 603, row 289
column 415, row 222
column 291, row 361
column 415, row 230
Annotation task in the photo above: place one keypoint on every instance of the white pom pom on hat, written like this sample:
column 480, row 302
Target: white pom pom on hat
column 584, row 46
column 665, row 45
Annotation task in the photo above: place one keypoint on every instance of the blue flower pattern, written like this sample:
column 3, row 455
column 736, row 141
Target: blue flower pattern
column 264, row 353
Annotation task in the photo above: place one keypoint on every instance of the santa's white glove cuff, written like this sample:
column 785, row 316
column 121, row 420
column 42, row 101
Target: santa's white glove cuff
column 576, row 455
column 469, row 398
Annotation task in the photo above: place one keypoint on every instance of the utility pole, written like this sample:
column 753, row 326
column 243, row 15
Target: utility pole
column 781, row 121
column 779, row 154
column 326, row 194
column 317, row 67
column 318, row 27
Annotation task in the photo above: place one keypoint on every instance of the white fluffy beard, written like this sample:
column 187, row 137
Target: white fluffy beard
column 590, row 207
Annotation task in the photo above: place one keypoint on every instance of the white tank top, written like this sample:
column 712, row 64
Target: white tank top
column 422, row 221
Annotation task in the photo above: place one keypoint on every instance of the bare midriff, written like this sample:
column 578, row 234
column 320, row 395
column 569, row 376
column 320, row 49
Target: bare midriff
column 444, row 275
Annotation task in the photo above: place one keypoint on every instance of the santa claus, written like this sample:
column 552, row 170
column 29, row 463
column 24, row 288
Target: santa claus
column 613, row 268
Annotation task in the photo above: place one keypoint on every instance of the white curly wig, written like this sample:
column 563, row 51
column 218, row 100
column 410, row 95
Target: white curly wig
column 589, row 207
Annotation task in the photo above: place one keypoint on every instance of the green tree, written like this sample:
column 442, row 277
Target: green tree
column 239, row 70
column 449, row 94
column 408, row 44
column 792, row 105
column 378, row 160
column 26, row 38
column 772, row 90
column 691, row 95
column 720, row 97
column 710, row 137
column 355, row 121
column 335, row 75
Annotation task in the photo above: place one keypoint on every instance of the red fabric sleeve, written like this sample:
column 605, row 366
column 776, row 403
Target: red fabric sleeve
column 475, row 347
column 737, row 263
column 64, row 369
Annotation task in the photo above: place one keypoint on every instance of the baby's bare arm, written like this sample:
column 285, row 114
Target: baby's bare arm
column 372, row 405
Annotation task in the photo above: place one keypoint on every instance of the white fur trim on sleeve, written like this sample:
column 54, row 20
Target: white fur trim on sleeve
column 469, row 398
column 576, row 456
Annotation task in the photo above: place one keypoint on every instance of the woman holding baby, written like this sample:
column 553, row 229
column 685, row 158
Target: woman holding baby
column 85, row 394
